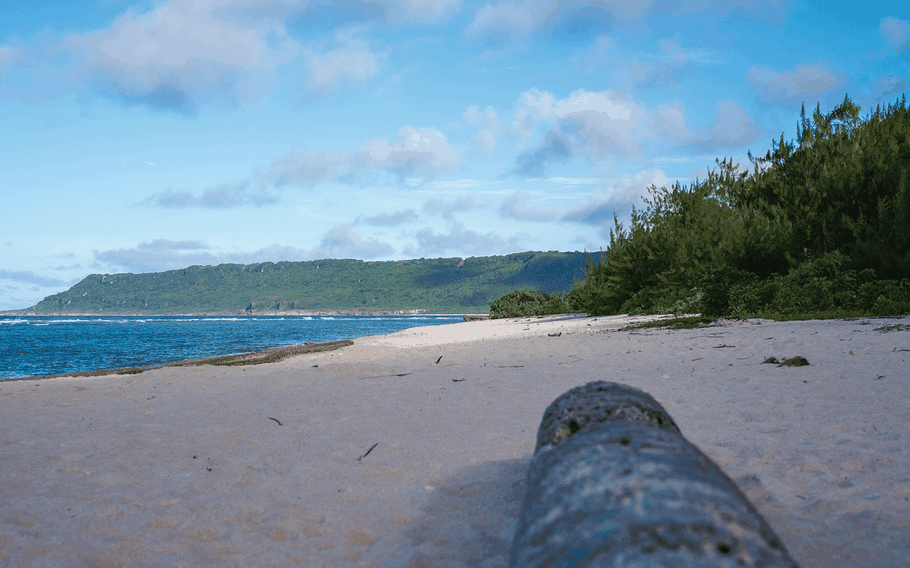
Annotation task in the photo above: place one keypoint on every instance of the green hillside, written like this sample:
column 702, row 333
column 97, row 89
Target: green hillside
column 437, row 285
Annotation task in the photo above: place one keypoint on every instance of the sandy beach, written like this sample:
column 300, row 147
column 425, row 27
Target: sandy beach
column 411, row 449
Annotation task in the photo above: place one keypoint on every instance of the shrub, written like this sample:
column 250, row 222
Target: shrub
column 717, row 285
column 894, row 299
column 525, row 302
column 518, row 303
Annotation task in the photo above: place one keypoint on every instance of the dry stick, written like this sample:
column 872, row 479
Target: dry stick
column 275, row 419
column 614, row 483
column 438, row 360
column 368, row 451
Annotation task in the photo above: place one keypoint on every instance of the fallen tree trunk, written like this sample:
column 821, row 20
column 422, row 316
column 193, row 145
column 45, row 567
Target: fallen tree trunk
column 614, row 483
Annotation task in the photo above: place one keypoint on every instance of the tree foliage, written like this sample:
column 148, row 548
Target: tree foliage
column 524, row 302
column 820, row 224
column 438, row 285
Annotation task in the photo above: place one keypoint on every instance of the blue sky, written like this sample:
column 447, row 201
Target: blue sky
column 147, row 136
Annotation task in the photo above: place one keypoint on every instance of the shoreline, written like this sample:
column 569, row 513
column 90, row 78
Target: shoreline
column 137, row 369
column 260, row 357
column 281, row 353
column 412, row 449
column 242, row 313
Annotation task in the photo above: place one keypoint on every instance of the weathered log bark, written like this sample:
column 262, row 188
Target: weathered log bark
column 614, row 483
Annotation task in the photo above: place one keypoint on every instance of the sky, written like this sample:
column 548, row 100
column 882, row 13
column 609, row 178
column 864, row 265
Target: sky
column 142, row 136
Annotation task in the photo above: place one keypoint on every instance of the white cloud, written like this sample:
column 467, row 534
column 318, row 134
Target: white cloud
column 533, row 106
column 756, row 9
column 732, row 127
column 664, row 67
column 415, row 150
column 572, row 181
column 631, row 188
column 224, row 196
column 318, row 13
column 601, row 123
column 516, row 207
column 306, row 169
column 389, row 219
column 342, row 241
column 595, row 57
column 11, row 54
column 889, row 88
column 418, row 10
column 670, row 66
column 461, row 241
column 511, row 22
column 670, row 120
column 597, row 125
column 162, row 254
column 508, row 23
column 448, row 209
column 896, row 33
column 354, row 62
column 183, row 51
column 599, row 208
column 29, row 277
column 159, row 254
column 790, row 88
column 487, row 124
column 454, row 184
column 604, row 125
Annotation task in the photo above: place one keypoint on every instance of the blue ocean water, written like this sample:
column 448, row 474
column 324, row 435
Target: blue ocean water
column 44, row 345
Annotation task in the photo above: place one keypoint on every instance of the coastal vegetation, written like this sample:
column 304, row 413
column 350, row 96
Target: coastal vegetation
column 524, row 302
column 820, row 227
column 441, row 285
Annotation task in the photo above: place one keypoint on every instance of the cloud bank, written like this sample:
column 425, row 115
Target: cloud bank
column 158, row 255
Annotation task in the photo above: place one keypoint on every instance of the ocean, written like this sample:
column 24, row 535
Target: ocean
column 45, row 345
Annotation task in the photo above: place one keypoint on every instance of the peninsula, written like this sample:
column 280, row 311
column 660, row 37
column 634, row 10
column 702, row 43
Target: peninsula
column 440, row 285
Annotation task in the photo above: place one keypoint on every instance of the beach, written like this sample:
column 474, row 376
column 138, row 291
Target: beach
column 411, row 449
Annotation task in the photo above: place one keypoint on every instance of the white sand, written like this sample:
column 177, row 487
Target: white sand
column 184, row 467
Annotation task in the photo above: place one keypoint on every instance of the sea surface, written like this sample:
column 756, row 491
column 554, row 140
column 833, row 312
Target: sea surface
column 45, row 345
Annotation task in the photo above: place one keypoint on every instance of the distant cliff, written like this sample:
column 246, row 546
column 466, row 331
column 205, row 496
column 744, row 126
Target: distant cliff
column 451, row 285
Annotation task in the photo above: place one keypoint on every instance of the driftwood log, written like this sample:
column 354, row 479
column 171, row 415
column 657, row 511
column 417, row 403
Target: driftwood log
column 614, row 483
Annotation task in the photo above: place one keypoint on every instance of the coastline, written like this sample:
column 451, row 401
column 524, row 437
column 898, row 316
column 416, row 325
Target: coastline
column 240, row 313
column 120, row 366
column 410, row 449
column 260, row 357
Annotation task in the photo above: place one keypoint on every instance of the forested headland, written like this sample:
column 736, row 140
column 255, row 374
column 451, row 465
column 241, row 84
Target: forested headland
column 440, row 285
column 818, row 227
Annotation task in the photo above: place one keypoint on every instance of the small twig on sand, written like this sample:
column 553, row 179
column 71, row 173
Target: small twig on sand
column 275, row 419
column 368, row 451
column 438, row 360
